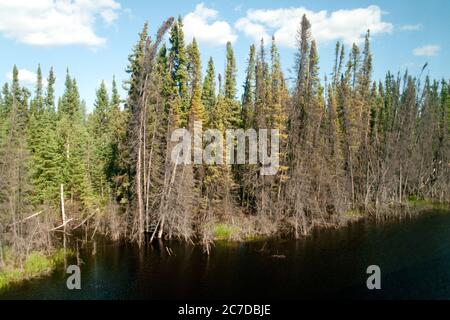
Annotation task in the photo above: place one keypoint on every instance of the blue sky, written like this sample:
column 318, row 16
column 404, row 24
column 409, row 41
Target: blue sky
column 93, row 38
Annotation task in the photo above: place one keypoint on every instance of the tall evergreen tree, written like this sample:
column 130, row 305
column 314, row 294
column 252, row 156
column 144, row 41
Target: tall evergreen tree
column 99, row 137
column 197, row 118
column 233, row 116
column 50, row 95
column 135, row 68
column 230, row 74
column 38, row 101
column 209, row 86
column 248, row 97
column 115, row 166
column 194, row 66
column 72, row 138
column 179, row 63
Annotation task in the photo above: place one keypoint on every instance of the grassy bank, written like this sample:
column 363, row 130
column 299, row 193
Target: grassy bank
column 35, row 265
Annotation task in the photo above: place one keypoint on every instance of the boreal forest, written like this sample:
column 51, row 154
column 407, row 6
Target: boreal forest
column 351, row 146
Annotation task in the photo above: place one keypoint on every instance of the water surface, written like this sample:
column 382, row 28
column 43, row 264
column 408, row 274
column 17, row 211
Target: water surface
column 414, row 257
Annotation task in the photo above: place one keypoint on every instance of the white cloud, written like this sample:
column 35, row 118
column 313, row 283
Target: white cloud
column 346, row 25
column 56, row 22
column 411, row 27
column 26, row 77
column 203, row 24
column 426, row 51
column 109, row 16
column 253, row 30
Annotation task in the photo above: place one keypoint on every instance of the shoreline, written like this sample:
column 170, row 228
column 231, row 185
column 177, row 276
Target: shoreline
column 224, row 231
column 38, row 265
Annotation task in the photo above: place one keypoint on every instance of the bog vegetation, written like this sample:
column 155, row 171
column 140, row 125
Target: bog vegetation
column 349, row 146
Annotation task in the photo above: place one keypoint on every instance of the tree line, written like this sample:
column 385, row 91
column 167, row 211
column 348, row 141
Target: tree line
column 348, row 144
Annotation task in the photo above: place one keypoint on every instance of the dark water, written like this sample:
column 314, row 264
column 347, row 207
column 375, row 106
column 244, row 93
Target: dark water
column 414, row 257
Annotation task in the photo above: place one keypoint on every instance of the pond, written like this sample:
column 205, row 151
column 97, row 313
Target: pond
column 413, row 255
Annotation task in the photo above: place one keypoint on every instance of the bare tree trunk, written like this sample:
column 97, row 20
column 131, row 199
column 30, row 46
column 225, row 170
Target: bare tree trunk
column 161, row 228
column 296, row 227
column 351, row 176
column 63, row 214
column 400, row 186
column 148, row 182
column 366, row 199
column 139, row 191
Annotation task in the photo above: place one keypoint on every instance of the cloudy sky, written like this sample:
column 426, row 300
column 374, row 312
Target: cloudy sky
column 94, row 37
